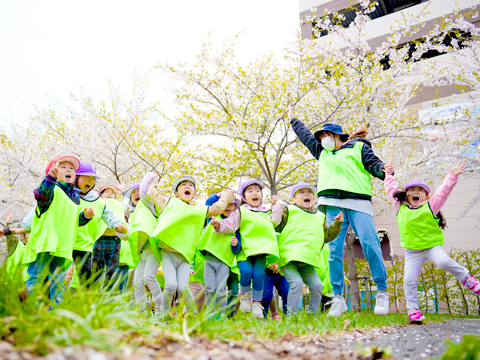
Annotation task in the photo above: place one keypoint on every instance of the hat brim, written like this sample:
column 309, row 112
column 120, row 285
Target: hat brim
column 177, row 182
column 311, row 187
column 129, row 192
column 424, row 187
column 317, row 134
column 73, row 160
column 112, row 187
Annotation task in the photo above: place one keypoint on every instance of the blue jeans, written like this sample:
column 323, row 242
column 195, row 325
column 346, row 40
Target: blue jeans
column 51, row 267
column 364, row 227
column 233, row 285
column 122, row 273
column 282, row 286
column 252, row 271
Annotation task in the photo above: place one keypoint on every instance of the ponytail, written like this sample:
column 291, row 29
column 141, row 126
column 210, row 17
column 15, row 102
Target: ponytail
column 361, row 132
column 402, row 196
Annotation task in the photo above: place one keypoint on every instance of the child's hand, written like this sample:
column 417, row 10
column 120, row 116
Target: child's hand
column 290, row 112
column 215, row 223
column 53, row 172
column 275, row 200
column 457, row 170
column 388, row 168
column 8, row 218
column 339, row 217
column 121, row 229
column 234, row 241
column 127, row 215
column 192, row 272
column 89, row 213
column 274, row 268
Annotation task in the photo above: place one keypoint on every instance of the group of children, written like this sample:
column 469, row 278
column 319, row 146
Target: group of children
column 242, row 244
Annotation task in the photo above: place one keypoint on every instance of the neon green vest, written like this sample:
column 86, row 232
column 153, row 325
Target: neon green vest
column 302, row 237
column 217, row 244
column 343, row 170
column 14, row 262
column 257, row 233
column 418, row 227
column 324, row 271
column 88, row 234
column 125, row 251
column 55, row 230
column 142, row 223
column 198, row 266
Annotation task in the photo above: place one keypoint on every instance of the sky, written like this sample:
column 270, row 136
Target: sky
column 57, row 46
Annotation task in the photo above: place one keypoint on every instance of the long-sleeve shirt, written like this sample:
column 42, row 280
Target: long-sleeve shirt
column 331, row 232
column 231, row 224
column 436, row 201
column 153, row 197
column 44, row 195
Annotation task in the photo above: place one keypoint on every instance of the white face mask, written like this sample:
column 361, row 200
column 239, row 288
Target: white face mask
column 328, row 143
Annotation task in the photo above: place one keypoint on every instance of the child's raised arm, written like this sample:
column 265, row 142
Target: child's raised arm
column 391, row 186
column 440, row 197
column 149, row 193
column 226, row 197
column 229, row 225
column 277, row 211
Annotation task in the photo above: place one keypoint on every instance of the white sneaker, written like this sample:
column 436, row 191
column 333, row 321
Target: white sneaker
column 246, row 303
column 381, row 304
column 257, row 310
column 339, row 306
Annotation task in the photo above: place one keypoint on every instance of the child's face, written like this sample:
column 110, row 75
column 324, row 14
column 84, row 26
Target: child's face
column 230, row 208
column 85, row 183
column 135, row 197
column 253, row 195
column 66, row 172
column 416, row 195
column 186, row 191
column 304, row 198
column 109, row 194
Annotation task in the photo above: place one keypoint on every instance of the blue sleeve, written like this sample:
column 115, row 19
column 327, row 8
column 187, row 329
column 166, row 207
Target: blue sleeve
column 210, row 201
column 82, row 220
column 238, row 248
column 306, row 137
column 372, row 163
column 44, row 193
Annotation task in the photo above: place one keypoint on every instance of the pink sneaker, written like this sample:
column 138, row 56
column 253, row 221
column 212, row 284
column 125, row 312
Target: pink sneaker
column 275, row 317
column 473, row 284
column 415, row 316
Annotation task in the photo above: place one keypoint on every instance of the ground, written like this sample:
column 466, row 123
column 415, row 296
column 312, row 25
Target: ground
column 406, row 342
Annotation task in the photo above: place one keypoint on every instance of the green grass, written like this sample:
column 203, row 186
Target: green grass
column 107, row 321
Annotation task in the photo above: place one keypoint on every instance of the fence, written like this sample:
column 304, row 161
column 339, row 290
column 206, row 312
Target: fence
column 439, row 291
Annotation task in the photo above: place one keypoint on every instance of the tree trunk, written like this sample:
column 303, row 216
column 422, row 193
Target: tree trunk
column 352, row 271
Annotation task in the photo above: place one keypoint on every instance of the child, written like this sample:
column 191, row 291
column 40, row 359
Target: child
column 258, row 241
column 142, row 224
column 273, row 278
column 87, row 236
column 132, row 197
column 179, row 227
column 109, row 193
column 421, row 223
column 57, row 216
column 219, row 258
column 15, row 248
column 303, row 232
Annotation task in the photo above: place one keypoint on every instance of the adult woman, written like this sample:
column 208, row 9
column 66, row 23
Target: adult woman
column 346, row 164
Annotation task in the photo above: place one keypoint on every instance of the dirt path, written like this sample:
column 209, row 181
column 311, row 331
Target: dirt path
column 407, row 342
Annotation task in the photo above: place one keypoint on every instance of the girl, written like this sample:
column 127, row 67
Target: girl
column 109, row 193
column 421, row 223
column 303, row 232
column 87, row 236
column 345, row 167
column 57, row 217
column 132, row 197
column 258, row 240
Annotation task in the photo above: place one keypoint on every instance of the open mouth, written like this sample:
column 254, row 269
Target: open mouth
column 307, row 201
column 187, row 192
column 86, row 187
column 137, row 198
column 68, row 177
column 415, row 198
column 255, row 199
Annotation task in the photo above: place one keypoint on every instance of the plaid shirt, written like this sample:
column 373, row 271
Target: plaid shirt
column 44, row 195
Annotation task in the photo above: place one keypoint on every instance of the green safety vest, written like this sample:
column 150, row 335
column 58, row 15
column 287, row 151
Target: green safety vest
column 88, row 234
column 324, row 271
column 198, row 267
column 14, row 262
column 343, row 170
column 55, row 230
column 125, row 250
column 302, row 237
column 217, row 244
column 418, row 227
column 179, row 227
column 257, row 234
column 142, row 223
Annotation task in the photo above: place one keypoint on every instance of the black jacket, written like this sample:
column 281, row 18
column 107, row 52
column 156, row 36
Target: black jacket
column 370, row 161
